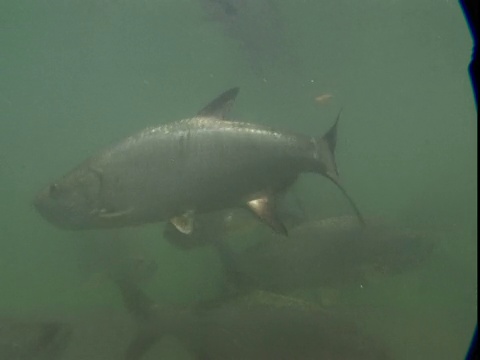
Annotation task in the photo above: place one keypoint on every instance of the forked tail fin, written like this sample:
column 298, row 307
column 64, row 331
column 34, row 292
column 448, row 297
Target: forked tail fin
column 325, row 153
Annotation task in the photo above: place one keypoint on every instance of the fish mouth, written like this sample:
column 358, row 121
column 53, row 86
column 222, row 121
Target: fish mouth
column 50, row 211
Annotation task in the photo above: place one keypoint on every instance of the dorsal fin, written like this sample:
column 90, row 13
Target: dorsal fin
column 221, row 105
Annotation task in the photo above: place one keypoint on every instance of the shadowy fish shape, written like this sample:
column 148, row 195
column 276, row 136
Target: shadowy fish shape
column 191, row 166
column 327, row 252
column 257, row 26
column 260, row 326
column 33, row 340
column 331, row 252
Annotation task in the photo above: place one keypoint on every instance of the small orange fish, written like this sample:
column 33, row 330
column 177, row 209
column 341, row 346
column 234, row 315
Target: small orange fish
column 324, row 99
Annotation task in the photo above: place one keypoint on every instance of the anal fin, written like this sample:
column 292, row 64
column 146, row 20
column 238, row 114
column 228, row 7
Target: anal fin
column 264, row 208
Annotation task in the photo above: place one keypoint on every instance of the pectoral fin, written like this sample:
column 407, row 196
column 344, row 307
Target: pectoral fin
column 184, row 223
column 264, row 208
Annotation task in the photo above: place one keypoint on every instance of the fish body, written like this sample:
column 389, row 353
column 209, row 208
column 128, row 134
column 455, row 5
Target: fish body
column 257, row 26
column 22, row 339
column 259, row 326
column 321, row 252
column 195, row 165
column 333, row 252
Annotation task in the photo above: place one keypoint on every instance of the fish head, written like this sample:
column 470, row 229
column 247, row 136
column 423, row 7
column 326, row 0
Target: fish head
column 72, row 201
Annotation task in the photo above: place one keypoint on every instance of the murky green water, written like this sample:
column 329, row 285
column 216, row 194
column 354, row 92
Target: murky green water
column 78, row 75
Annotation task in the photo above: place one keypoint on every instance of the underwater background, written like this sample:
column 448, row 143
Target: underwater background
column 77, row 75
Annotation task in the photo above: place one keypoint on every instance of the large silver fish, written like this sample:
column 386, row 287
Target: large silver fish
column 195, row 165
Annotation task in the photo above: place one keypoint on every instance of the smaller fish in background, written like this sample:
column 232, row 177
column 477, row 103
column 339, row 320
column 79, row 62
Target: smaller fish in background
column 324, row 99
column 332, row 252
column 213, row 229
column 260, row 325
column 259, row 29
column 22, row 339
